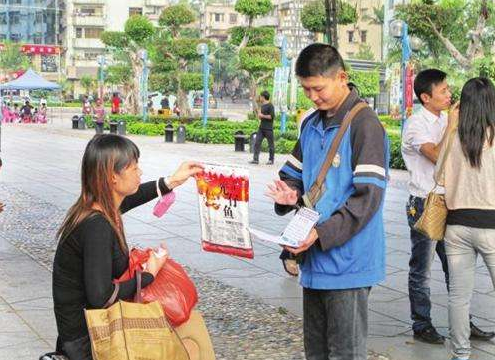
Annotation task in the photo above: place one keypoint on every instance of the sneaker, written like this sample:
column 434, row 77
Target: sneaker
column 478, row 334
column 256, row 162
column 270, row 162
column 429, row 335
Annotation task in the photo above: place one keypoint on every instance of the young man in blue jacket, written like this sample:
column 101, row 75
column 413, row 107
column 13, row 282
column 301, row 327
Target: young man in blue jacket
column 344, row 255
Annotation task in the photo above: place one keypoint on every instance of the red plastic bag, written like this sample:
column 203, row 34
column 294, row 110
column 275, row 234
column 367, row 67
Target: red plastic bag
column 172, row 287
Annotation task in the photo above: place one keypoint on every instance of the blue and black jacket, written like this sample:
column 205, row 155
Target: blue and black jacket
column 350, row 250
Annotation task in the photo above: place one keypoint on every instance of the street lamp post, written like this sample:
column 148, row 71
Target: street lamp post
column 143, row 54
column 400, row 30
column 101, row 63
column 202, row 49
column 281, row 43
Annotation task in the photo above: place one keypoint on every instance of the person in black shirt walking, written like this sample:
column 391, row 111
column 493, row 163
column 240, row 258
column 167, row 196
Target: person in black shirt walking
column 265, row 130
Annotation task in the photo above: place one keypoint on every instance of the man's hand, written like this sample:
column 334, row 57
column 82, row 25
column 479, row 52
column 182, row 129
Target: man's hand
column 260, row 115
column 1, row 207
column 281, row 193
column 305, row 245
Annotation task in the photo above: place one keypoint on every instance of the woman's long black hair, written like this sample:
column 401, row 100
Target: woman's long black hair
column 476, row 118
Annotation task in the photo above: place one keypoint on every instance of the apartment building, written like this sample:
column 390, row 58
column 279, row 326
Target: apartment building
column 37, row 25
column 85, row 22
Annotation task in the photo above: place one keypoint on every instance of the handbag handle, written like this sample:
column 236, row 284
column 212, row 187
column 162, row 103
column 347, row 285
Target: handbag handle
column 113, row 297
column 316, row 190
column 139, row 299
column 443, row 160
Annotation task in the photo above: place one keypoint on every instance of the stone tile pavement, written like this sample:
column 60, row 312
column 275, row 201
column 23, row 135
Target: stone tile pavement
column 43, row 162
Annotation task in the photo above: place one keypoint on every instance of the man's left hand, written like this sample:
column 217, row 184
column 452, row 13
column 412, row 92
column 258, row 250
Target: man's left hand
column 260, row 115
column 305, row 245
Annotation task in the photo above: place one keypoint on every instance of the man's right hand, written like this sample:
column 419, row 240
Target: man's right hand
column 281, row 193
column 453, row 118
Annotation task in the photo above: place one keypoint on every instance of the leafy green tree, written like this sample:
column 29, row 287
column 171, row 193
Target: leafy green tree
column 88, row 82
column 13, row 59
column 252, row 9
column 137, row 35
column 259, row 62
column 461, row 30
column 314, row 17
column 367, row 82
column 258, row 36
column 365, row 53
column 175, row 52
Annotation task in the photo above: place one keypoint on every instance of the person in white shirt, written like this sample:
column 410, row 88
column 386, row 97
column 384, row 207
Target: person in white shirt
column 422, row 140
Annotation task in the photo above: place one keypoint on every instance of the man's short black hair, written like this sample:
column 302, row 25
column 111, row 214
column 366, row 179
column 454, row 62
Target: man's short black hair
column 265, row 94
column 424, row 81
column 318, row 60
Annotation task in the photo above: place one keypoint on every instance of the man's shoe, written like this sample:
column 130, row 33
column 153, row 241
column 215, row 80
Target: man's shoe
column 477, row 333
column 269, row 162
column 429, row 335
column 256, row 162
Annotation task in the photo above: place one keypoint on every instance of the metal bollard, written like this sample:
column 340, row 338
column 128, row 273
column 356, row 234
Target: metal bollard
column 239, row 141
column 121, row 128
column 252, row 142
column 169, row 133
column 181, row 134
column 75, row 122
column 81, row 124
column 98, row 127
column 113, row 127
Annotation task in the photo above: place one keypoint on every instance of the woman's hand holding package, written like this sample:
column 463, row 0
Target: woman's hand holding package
column 157, row 260
column 186, row 170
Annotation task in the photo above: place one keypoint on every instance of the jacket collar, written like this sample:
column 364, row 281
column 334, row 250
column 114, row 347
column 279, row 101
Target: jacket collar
column 338, row 117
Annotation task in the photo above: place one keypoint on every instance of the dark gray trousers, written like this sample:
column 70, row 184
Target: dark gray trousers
column 335, row 324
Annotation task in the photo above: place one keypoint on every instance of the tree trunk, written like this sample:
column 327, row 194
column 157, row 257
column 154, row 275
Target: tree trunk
column 183, row 103
column 134, row 103
column 253, row 91
column 328, row 25
column 333, row 20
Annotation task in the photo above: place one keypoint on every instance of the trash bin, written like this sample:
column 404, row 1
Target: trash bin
column 75, row 122
column 239, row 140
column 81, row 124
column 121, row 127
column 181, row 134
column 113, row 127
column 252, row 142
column 169, row 133
column 98, row 127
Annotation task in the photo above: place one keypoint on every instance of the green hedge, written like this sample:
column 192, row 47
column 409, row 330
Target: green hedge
column 221, row 131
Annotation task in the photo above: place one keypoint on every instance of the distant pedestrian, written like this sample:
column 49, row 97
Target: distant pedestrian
column 266, row 115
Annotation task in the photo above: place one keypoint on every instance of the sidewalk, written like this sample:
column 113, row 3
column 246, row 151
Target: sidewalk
column 42, row 163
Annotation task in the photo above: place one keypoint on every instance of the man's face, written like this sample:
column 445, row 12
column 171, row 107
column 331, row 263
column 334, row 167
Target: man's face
column 326, row 92
column 440, row 98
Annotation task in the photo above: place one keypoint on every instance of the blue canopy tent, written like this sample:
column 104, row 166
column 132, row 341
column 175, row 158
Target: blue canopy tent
column 30, row 80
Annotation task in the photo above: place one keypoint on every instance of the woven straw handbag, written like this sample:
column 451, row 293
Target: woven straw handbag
column 133, row 331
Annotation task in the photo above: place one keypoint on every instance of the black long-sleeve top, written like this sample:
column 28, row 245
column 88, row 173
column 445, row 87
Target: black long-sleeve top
column 87, row 261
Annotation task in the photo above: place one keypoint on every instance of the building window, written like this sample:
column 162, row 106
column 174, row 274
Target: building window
column 218, row 17
column 233, row 18
column 350, row 35
column 92, row 33
column 364, row 35
column 135, row 11
column 79, row 33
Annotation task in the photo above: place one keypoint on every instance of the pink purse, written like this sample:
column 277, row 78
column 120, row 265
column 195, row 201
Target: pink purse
column 163, row 203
